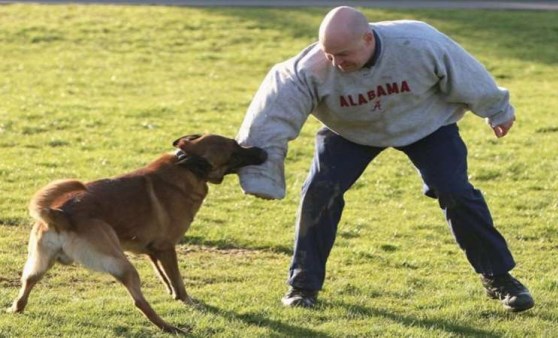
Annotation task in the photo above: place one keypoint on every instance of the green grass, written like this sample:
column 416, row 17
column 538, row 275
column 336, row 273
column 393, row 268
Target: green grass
column 95, row 91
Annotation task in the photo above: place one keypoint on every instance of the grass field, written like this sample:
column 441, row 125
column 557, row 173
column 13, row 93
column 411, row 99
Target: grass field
column 95, row 91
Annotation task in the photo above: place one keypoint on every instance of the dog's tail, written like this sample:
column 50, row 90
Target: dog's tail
column 40, row 206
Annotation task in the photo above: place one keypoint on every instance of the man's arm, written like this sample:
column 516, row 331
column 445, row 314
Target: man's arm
column 463, row 79
column 275, row 116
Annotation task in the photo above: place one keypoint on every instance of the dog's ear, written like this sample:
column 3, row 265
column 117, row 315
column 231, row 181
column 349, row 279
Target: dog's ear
column 197, row 164
column 185, row 139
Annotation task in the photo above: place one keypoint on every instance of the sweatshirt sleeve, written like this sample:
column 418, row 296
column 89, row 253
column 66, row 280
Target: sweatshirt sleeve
column 275, row 116
column 465, row 80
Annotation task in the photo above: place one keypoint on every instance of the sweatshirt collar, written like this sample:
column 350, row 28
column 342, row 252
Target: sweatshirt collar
column 377, row 49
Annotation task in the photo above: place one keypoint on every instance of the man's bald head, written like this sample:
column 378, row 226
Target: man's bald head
column 342, row 24
column 346, row 38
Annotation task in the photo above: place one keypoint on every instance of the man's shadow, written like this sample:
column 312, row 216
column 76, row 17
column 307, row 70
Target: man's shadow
column 282, row 329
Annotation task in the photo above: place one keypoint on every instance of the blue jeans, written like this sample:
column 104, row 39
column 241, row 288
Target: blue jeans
column 441, row 160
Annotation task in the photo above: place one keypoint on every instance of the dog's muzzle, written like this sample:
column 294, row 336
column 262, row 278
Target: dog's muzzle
column 246, row 156
column 258, row 155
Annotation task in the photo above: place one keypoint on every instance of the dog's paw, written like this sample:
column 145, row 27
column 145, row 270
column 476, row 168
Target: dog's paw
column 13, row 309
column 18, row 305
column 176, row 330
column 189, row 301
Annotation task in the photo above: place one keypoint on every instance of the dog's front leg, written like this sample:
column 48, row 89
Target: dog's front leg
column 167, row 263
column 129, row 277
column 159, row 270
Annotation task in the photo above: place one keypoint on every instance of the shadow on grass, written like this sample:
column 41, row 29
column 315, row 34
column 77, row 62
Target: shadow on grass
column 287, row 330
column 281, row 329
column 428, row 324
column 522, row 35
column 229, row 245
column 14, row 221
column 56, row 324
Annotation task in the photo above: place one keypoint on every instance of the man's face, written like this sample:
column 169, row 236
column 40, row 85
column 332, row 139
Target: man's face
column 348, row 56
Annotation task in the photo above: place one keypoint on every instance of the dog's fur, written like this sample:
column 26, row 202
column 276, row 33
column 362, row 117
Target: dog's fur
column 146, row 211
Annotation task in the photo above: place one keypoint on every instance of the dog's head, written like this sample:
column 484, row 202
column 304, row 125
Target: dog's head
column 213, row 156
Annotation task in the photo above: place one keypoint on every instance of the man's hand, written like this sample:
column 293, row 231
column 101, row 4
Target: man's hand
column 502, row 129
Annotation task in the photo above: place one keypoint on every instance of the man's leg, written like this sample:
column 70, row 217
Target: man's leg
column 337, row 164
column 441, row 159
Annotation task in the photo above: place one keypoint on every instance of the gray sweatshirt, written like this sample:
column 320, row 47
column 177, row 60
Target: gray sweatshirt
column 422, row 80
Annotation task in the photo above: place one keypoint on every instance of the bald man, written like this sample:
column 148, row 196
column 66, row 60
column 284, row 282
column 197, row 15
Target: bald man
column 397, row 84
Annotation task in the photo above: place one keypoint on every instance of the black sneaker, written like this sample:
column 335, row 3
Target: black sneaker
column 514, row 296
column 300, row 298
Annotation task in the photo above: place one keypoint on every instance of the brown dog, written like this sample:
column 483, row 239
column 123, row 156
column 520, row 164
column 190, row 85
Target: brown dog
column 146, row 211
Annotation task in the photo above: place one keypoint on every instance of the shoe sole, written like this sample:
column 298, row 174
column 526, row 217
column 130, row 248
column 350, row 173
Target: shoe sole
column 297, row 303
column 525, row 307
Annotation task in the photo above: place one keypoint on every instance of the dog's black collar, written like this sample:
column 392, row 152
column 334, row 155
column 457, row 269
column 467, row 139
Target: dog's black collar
column 196, row 164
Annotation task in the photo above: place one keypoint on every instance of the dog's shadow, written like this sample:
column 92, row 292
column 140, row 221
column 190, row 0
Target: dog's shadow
column 281, row 329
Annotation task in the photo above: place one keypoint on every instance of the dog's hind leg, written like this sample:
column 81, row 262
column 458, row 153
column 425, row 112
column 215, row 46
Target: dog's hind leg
column 98, row 248
column 168, row 263
column 42, row 249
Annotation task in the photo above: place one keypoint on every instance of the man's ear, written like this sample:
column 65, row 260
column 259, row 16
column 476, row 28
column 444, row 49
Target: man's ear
column 368, row 37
